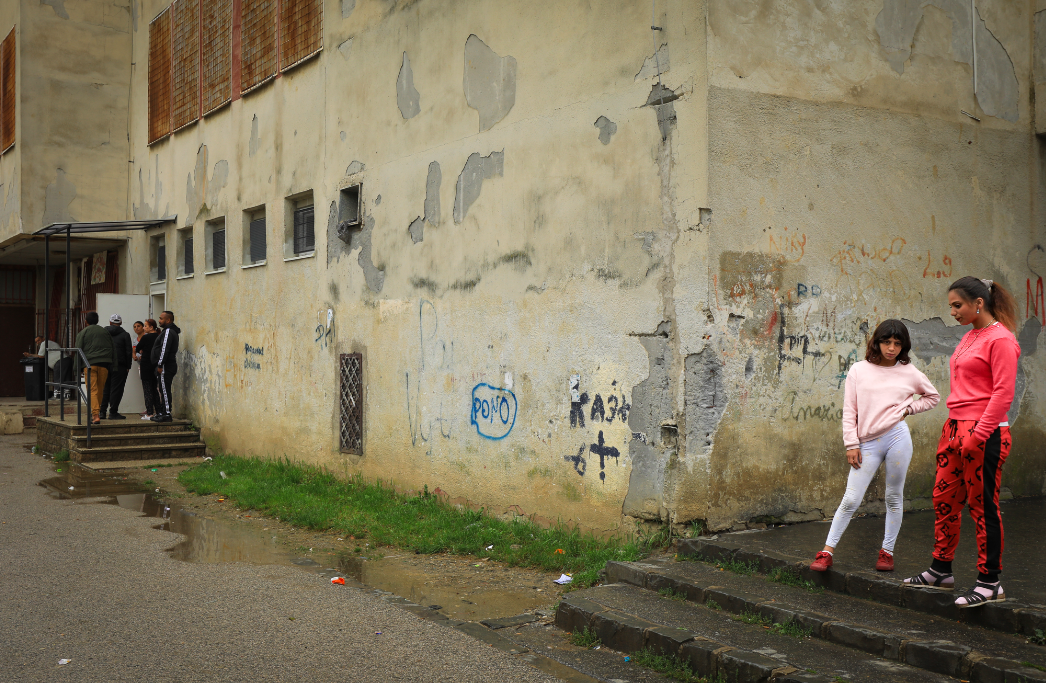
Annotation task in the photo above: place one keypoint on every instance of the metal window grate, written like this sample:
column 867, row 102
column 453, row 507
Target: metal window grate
column 185, row 64
column 216, row 74
column 352, row 402
column 17, row 286
column 301, row 30
column 257, row 237
column 258, row 43
column 188, row 256
column 160, row 76
column 218, row 249
column 161, row 263
column 8, row 96
column 304, row 230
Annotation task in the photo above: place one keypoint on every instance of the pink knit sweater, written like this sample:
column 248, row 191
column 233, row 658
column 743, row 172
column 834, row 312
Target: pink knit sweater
column 876, row 396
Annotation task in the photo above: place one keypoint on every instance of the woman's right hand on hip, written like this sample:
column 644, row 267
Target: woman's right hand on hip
column 853, row 456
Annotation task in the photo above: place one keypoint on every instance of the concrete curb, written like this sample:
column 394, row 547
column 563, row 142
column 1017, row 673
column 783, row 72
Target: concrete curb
column 939, row 656
column 627, row 633
column 1008, row 617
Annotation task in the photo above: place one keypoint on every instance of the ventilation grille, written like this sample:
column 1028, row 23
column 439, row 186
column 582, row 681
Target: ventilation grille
column 185, row 64
column 8, row 96
column 258, row 61
column 352, row 403
column 301, row 30
column 217, row 51
column 257, row 237
column 160, row 76
column 218, row 249
column 304, row 230
column 189, row 268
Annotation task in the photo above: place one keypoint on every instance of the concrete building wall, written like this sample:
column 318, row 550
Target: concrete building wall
column 659, row 286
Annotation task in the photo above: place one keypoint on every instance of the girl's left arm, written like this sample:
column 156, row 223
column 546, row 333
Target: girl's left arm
column 930, row 397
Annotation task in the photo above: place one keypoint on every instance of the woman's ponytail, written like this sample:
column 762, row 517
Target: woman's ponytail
column 999, row 302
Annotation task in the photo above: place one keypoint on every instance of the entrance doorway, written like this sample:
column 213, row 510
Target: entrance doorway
column 18, row 324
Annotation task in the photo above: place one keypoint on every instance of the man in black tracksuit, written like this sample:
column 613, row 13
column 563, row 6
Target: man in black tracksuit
column 165, row 350
column 117, row 379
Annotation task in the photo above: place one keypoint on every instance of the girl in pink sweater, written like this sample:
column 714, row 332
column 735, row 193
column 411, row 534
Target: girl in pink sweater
column 880, row 393
column 976, row 437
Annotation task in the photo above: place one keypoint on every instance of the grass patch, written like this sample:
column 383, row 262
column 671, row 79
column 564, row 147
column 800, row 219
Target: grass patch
column 671, row 594
column 712, row 604
column 149, row 482
column 586, row 638
column 1038, row 638
column 753, row 618
column 790, row 577
column 309, row 497
column 792, row 629
column 61, row 456
column 1034, row 666
column 673, row 667
column 741, row 568
column 162, row 464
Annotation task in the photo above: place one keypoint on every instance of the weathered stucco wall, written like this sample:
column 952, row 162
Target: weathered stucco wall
column 659, row 287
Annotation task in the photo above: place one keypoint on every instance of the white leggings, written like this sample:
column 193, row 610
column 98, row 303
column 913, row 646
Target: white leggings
column 895, row 447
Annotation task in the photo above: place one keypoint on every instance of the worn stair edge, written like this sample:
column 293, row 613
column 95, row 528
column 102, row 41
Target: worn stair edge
column 1009, row 617
column 151, row 436
column 627, row 633
column 938, row 656
column 135, row 453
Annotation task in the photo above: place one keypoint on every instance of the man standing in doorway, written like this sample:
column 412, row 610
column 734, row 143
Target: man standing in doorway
column 97, row 345
column 117, row 380
column 164, row 352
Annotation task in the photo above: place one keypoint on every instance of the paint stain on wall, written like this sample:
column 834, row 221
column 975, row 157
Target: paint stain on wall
column 607, row 128
column 408, row 99
column 432, row 185
column 489, row 82
column 470, row 180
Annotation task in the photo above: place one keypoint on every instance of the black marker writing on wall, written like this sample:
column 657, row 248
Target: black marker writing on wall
column 599, row 448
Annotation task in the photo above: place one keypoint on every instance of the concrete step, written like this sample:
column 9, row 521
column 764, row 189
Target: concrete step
column 131, row 425
column 1012, row 616
column 889, row 632
column 140, row 439
column 159, row 451
column 628, row 619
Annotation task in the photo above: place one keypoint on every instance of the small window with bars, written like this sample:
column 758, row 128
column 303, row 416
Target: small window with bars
column 351, row 403
column 188, row 268
column 215, row 237
column 304, row 230
column 185, row 261
column 161, row 263
column 256, row 251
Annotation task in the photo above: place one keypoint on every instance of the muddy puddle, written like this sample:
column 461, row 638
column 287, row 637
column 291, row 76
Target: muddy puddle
column 460, row 589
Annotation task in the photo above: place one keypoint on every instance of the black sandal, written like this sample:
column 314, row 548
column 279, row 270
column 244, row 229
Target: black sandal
column 938, row 581
column 975, row 599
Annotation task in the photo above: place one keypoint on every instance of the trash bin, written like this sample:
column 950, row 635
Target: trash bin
column 35, row 376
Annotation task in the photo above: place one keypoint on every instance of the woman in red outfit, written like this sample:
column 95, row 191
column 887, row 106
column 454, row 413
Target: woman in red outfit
column 976, row 437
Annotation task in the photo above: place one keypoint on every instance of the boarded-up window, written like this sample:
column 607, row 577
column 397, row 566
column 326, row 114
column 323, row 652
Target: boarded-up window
column 217, row 53
column 185, row 63
column 160, row 76
column 8, row 94
column 301, row 30
column 258, row 60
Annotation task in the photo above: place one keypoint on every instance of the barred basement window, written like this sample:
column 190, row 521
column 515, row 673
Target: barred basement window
column 160, row 77
column 185, row 67
column 304, row 230
column 8, row 94
column 351, row 418
column 256, row 235
column 216, row 35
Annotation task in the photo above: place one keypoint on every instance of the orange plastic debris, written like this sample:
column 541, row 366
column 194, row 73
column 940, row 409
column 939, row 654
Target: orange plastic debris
column 338, row 580
column 559, row 551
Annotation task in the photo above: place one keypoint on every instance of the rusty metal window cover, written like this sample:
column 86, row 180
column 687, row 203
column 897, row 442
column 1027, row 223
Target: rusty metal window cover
column 258, row 43
column 351, row 419
column 8, row 96
column 160, row 76
column 216, row 67
column 185, row 62
column 301, row 31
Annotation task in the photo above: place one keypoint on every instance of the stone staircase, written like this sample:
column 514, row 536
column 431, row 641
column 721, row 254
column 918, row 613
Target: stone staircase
column 118, row 440
column 771, row 619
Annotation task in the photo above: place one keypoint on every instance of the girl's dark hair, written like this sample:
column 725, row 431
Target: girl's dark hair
column 151, row 323
column 889, row 329
column 999, row 302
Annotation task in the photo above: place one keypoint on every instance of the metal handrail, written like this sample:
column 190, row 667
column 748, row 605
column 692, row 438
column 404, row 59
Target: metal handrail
column 84, row 393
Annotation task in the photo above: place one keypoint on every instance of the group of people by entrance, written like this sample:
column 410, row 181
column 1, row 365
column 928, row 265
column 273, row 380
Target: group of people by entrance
column 110, row 352
column 885, row 388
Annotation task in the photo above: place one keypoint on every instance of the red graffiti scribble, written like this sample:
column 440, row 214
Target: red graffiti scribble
column 945, row 260
column 771, row 324
column 1036, row 306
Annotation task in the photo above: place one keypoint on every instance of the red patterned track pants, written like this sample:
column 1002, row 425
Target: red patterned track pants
column 970, row 474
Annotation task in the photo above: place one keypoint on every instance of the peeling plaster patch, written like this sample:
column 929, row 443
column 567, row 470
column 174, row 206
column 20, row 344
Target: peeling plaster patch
column 606, row 127
column 57, row 198
column 143, row 210
column 346, row 8
column 489, row 82
column 651, row 407
column 705, row 398
column 255, row 142
column 362, row 239
column 470, row 180
column 377, row 200
column 345, row 48
column 219, row 178
column 932, row 338
column 196, row 186
column 1028, row 338
column 649, row 69
column 432, row 185
column 417, row 230
column 355, row 167
column 343, row 136
column 661, row 99
column 58, row 6
column 408, row 99
column 997, row 87
column 334, row 245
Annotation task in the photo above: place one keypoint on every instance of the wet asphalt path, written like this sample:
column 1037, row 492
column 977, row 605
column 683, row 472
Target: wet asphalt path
column 92, row 583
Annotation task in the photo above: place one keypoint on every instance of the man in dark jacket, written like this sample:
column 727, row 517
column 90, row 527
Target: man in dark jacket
column 117, row 380
column 97, row 345
column 164, row 352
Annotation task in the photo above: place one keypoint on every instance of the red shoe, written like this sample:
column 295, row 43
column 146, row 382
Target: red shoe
column 822, row 561
column 885, row 563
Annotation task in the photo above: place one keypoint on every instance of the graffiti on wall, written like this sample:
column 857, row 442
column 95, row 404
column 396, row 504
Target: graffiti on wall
column 435, row 357
column 252, row 356
column 493, row 411
column 614, row 406
column 325, row 333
